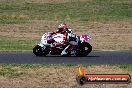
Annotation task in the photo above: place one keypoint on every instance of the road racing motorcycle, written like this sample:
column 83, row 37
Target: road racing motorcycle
column 45, row 47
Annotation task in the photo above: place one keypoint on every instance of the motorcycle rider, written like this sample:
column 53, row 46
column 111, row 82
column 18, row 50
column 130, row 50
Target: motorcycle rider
column 69, row 39
column 62, row 28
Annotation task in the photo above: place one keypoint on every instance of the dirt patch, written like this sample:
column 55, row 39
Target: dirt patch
column 58, row 77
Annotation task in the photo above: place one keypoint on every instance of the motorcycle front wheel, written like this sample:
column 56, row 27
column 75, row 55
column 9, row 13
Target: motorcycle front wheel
column 38, row 51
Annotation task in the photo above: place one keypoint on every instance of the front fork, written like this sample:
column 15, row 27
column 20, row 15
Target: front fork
column 42, row 45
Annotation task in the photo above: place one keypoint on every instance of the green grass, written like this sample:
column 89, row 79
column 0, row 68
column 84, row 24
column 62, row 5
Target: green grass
column 18, row 70
column 126, row 67
column 9, row 18
column 97, row 10
column 7, row 43
column 8, row 71
column 12, row 21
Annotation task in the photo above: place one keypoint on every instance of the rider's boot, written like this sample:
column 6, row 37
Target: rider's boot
column 64, row 52
column 68, row 50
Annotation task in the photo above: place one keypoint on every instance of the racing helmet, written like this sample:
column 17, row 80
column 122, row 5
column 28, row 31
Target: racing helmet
column 62, row 27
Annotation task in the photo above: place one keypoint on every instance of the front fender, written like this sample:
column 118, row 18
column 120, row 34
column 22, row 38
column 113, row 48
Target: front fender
column 42, row 45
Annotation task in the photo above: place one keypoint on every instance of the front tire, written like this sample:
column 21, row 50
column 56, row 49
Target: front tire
column 38, row 51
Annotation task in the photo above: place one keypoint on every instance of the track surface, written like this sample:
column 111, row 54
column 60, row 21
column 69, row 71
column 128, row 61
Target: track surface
column 95, row 57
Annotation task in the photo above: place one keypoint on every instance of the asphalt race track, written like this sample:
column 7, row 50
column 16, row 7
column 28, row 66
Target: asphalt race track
column 95, row 57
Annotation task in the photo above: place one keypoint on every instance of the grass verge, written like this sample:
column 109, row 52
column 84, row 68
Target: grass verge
column 63, row 75
column 83, row 10
column 24, row 21
column 7, row 43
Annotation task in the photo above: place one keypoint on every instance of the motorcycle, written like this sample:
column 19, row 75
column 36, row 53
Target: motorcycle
column 45, row 47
